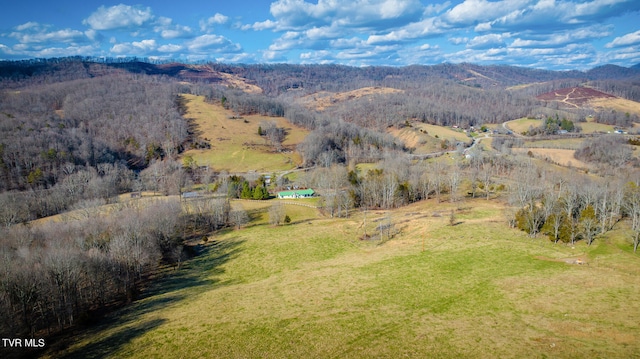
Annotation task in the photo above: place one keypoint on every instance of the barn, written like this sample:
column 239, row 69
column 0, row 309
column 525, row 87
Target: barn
column 300, row 193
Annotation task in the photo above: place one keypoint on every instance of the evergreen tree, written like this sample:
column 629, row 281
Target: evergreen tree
column 246, row 191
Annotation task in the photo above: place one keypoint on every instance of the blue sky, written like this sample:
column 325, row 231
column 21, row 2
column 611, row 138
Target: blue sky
column 551, row 34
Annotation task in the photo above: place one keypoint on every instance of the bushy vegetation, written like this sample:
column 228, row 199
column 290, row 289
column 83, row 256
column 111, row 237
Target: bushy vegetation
column 609, row 150
column 552, row 126
column 59, row 274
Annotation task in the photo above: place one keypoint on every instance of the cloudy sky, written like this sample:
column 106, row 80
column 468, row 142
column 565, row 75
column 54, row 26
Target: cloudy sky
column 552, row 34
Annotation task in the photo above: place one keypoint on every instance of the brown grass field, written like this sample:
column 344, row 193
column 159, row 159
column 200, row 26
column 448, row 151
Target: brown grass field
column 422, row 136
column 563, row 157
column 235, row 143
column 562, row 143
column 618, row 104
column 323, row 99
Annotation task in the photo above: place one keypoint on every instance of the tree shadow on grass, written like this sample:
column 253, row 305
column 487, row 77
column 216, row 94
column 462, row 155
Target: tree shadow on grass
column 106, row 346
column 199, row 273
column 196, row 275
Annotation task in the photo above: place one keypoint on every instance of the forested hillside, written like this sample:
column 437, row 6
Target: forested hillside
column 95, row 124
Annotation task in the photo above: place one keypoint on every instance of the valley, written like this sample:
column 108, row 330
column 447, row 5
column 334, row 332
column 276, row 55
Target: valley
column 457, row 210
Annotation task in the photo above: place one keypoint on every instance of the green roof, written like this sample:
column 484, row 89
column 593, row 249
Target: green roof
column 299, row 192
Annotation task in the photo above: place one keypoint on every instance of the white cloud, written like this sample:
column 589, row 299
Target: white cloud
column 391, row 37
column 325, row 32
column 433, row 9
column 315, row 56
column 287, row 41
column 262, row 25
column 487, row 41
column 25, row 51
column 180, row 32
column 345, row 43
column 625, row 40
column 167, row 30
column 210, row 42
column 551, row 15
column 236, row 57
column 217, row 19
column 471, row 12
column 428, row 47
column 563, row 38
column 299, row 14
column 458, row 40
column 119, row 17
column 93, row 35
column 170, row 48
column 31, row 25
column 145, row 45
column 205, row 41
column 36, row 33
column 273, row 56
column 63, row 51
column 135, row 48
column 422, row 29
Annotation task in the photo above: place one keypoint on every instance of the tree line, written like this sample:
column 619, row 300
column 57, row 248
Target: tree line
column 567, row 210
column 58, row 274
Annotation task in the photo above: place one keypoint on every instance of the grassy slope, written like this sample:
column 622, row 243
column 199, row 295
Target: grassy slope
column 235, row 144
column 563, row 157
column 311, row 289
column 425, row 141
column 618, row 104
column 521, row 125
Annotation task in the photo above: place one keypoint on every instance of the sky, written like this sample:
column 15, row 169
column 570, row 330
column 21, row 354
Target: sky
column 548, row 34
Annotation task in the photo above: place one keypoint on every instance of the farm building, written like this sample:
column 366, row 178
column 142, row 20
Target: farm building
column 190, row 195
column 300, row 193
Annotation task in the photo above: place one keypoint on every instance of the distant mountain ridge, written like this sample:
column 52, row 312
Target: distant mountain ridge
column 276, row 78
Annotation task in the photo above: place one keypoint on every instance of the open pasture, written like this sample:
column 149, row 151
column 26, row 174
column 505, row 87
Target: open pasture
column 235, row 143
column 562, row 143
column 412, row 137
column 313, row 289
column 442, row 133
column 618, row 104
column 563, row 157
column 322, row 100
column 591, row 126
column 521, row 125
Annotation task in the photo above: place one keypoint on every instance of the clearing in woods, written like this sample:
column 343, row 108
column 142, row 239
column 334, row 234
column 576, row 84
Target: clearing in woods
column 235, row 143
column 522, row 124
column 322, row 100
column 426, row 138
column 313, row 289
column 563, row 157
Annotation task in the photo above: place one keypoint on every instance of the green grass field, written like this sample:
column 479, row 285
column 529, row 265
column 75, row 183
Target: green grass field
column 312, row 289
column 592, row 126
column 235, row 143
column 521, row 125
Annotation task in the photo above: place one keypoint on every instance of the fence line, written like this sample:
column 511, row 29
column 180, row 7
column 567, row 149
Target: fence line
column 284, row 202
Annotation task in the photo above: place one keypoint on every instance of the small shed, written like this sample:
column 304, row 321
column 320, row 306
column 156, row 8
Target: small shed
column 190, row 195
column 299, row 193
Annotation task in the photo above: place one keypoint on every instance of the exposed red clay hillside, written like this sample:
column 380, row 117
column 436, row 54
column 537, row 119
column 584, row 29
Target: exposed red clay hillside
column 574, row 97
